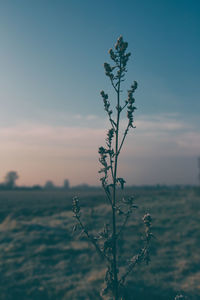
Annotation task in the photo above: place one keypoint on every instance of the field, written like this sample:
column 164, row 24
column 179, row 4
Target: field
column 41, row 257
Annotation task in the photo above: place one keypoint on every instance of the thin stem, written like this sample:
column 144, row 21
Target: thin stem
column 124, row 223
column 111, row 167
column 108, row 195
column 111, row 161
column 101, row 254
column 114, row 86
column 115, row 271
column 124, row 105
column 123, row 139
column 112, row 122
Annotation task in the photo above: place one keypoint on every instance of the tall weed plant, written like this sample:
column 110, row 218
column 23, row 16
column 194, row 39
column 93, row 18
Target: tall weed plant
column 107, row 241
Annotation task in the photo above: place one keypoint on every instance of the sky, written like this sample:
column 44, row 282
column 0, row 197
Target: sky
column 52, row 119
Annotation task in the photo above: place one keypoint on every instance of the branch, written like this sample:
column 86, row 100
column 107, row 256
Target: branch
column 92, row 240
column 111, row 167
column 113, row 85
column 144, row 254
column 112, row 122
column 138, row 259
column 124, row 223
column 107, row 194
column 124, row 105
column 124, row 136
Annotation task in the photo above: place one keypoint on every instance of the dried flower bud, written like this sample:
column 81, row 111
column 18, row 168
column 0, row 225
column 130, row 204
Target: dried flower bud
column 110, row 135
column 107, row 67
column 125, row 59
column 112, row 54
column 147, row 219
column 102, row 150
column 108, row 70
column 119, row 42
column 123, row 47
column 106, row 102
column 131, row 100
column 130, row 118
column 122, row 182
column 105, row 96
column 75, row 206
column 134, row 86
column 102, row 93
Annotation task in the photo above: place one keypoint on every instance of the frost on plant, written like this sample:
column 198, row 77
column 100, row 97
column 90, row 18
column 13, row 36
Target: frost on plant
column 106, row 241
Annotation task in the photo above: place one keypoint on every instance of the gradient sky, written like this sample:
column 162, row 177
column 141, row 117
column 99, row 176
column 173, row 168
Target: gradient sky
column 51, row 71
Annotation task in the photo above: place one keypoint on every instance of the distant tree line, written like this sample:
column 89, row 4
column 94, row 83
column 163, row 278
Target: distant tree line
column 11, row 177
column 49, row 185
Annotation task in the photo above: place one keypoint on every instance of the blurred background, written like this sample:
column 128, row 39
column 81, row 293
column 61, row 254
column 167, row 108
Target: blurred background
column 52, row 119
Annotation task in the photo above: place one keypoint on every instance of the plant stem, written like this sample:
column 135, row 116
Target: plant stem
column 114, row 238
column 115, row 269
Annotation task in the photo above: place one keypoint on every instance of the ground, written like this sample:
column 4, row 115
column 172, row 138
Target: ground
column 42, row 258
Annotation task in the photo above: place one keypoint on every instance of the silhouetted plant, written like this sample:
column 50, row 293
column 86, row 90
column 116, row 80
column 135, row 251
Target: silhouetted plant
column 106, row 241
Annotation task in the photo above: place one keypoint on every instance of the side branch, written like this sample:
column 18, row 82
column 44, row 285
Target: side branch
column 144, row 253
column 124, row 223
column 112, row 122
column 134, row 261
column 113, row 85
column 111, row 167
column 123, row 139
column 107, row 191
column 91, row 239
column 124, row 106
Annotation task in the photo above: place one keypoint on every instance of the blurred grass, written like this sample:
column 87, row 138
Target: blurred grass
column 40, row 258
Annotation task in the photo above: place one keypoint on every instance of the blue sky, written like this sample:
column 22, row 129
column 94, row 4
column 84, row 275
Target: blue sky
column 51, row 57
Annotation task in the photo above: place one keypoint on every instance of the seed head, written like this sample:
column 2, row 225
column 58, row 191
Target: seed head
column 75, row 206
column 147, row 220
column 113, row 56
column 110, row 136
